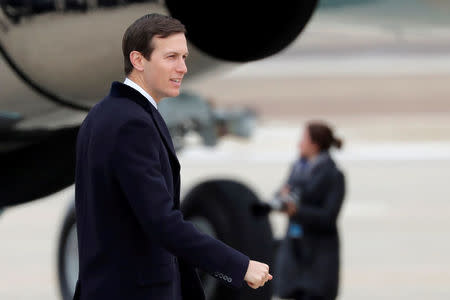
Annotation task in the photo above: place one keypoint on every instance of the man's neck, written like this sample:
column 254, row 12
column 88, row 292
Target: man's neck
column 139, row 81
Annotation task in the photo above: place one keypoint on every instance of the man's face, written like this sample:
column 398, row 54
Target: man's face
column 164, row 71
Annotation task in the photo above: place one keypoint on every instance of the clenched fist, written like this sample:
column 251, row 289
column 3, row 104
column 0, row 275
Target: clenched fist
column 257, row 274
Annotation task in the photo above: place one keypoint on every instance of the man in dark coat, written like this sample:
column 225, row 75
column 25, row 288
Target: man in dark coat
column 133, row 242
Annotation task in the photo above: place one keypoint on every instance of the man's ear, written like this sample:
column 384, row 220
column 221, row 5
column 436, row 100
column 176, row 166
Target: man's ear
column 136, row 60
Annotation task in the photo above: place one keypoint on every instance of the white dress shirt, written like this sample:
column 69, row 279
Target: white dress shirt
column 135, row 86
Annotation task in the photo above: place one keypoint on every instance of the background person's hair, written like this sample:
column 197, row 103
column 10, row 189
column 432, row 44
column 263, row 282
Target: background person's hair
column 138, row 36
column 322, row 135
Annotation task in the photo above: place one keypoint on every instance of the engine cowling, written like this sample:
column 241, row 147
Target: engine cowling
column 70, row 51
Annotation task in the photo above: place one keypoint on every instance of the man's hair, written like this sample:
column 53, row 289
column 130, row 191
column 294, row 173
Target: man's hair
column 138, row 37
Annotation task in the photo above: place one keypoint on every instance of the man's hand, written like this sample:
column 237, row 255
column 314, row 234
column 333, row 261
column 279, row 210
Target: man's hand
column 257, row 274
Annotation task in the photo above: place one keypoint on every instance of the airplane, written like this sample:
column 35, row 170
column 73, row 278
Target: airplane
column 59, row 57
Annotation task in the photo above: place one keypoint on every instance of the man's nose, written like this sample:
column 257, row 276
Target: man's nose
column 181, row 66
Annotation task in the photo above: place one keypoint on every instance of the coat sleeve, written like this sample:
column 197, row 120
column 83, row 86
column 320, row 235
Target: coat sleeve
column 137, row 168
column 323, row 217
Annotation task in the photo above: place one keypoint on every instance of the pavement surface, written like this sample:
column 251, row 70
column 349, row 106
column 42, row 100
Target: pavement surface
column 394, row 223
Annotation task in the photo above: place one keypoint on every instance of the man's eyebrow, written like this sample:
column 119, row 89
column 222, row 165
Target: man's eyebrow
column 177, row 52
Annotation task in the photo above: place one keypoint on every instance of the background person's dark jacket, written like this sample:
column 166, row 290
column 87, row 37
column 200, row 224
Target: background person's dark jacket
column 315, row 268
column 133, row 241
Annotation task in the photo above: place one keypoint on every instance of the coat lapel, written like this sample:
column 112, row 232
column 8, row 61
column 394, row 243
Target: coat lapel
column 164, row 132
column 123, row 90
column 174, row 163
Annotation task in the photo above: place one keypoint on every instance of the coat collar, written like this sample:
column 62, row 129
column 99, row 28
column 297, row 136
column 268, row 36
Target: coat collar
column 305, row 168
column 120, row 90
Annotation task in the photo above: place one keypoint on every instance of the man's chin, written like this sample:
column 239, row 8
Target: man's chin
column 173, row 93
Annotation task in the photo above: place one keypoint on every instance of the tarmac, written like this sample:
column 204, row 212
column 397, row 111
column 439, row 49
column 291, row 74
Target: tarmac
column 394, row 223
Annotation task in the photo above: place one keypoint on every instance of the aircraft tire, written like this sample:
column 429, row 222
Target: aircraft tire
column 225, row 205
column 67, row 246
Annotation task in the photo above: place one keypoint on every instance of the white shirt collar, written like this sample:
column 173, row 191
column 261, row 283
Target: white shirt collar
column 135, row 86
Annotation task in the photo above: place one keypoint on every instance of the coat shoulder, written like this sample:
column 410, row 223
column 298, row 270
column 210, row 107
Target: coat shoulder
column 123, row 109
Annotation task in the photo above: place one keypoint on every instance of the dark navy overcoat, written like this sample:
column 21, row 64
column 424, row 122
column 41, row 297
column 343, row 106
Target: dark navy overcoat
column 132, row 239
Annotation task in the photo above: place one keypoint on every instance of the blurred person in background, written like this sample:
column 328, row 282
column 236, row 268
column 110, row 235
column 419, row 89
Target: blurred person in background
column 307, row 264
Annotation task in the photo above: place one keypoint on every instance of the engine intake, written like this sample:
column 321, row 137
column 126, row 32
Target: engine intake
column 247, row 31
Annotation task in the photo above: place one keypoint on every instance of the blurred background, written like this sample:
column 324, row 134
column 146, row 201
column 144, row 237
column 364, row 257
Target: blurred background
column 379, row 72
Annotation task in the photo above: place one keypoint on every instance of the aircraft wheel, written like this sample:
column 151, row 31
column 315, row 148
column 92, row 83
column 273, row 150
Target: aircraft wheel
column 68, row 255
column 221, row 208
